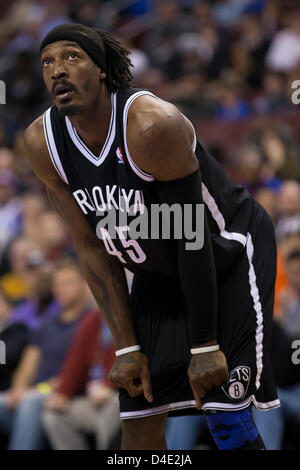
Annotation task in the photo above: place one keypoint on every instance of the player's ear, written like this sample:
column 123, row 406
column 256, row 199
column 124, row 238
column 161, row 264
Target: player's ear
column 102, row 75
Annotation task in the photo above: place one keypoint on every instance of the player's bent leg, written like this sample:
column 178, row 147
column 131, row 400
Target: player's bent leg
column 234, row 430
column 144, row 433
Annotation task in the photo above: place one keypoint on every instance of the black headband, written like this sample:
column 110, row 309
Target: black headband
column 87, row 44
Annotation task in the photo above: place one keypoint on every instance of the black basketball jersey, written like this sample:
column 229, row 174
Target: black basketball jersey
column 113, row 181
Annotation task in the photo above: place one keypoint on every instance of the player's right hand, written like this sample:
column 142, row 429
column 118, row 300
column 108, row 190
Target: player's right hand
column 205, row 372
column 131, row 371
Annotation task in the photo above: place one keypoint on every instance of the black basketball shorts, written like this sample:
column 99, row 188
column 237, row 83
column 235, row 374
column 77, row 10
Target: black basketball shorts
column 245, row 310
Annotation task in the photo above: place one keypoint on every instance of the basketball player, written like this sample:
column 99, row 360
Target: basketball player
column 194, row 334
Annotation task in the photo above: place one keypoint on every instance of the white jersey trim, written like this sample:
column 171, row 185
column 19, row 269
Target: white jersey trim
column 219, row 219
column 246, row 242
column 257, row 307
column 84, row 150
column 158, row 409
column 242, row 405
column 142, row 174
column 266, row 406
column 52, row 146
column 207, row 406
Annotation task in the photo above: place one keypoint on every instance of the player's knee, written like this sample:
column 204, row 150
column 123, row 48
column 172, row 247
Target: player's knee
column 137, row 428
column 234, row 430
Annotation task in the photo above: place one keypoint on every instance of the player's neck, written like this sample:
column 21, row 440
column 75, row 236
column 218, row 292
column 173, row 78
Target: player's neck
column 93, row 123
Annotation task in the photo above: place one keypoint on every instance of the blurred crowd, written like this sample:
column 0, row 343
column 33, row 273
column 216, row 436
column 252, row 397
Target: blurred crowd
column 229, row 65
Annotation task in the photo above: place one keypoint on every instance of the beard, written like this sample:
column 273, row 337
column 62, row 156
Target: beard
column 70, row 110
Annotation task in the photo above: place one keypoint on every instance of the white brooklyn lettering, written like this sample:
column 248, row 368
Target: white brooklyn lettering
column 81, row 199
column 114, row 197
column 100, row 206
column 127, row 197
column 138, row 202
column 110, row 198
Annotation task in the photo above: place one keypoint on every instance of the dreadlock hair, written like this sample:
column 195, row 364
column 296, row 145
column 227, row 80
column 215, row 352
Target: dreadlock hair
column 118, row 63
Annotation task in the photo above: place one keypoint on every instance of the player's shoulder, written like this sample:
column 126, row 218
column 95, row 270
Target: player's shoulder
column 34, row 135
column 159, row 136
column 38, row 154
column 150, row 113
column 153, row 122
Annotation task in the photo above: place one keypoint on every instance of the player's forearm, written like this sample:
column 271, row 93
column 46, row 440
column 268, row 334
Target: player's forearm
column 105, row 277
column 196, row 266
column 108, row 284
column 198, row 280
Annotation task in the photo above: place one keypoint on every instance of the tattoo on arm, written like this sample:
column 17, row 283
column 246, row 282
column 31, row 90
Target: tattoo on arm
column 105, row 277
column 58, row 205
column 100, row 284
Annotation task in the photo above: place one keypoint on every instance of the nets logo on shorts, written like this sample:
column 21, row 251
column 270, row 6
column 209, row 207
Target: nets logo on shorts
column 238, row 383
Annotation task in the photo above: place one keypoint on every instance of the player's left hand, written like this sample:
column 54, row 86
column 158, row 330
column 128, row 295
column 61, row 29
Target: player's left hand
column 206, row 371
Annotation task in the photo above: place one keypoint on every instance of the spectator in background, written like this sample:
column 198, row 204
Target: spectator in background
column 36, row 376
column 281, row 152
column 54, row 239
column 15, row 282
column 253, row 172
column 273, row 96
column 24, row 87
column 191, row 54
column 7, row 159
column 40, row 306
column 190, row 94
column 85, row 403
column 248, row 53
column 268, row 199
column 22, row 25
column 14, row 335
column 34, row 205
column 288, row 313
column 89, row 13
column 161, row 39
column 291, row 242
column 284, row 52
column 10, row 207
column 231, row 104
column 289, row 209
column 219, row 43
column 227, row 13
column 279, row 148
column 55, row 13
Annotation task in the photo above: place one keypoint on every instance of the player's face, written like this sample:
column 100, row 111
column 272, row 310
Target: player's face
column 70, row 75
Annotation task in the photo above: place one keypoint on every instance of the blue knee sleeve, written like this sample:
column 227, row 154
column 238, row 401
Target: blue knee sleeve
column 232, row 429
